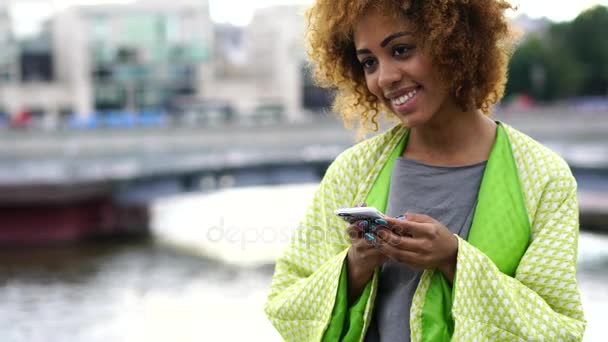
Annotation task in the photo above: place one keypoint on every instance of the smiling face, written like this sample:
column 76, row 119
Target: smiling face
column 399, row 73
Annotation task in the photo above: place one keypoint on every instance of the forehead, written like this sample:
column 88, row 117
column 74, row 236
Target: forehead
column 372, row 27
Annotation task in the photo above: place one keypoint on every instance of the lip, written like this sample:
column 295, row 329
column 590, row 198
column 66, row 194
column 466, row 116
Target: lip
column 397, row 93
column 409, row 105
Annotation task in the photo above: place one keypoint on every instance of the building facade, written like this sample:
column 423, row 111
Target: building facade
column 137, row 57
column 263, row 67
column 156, row 54
column 8, row 48
column 9, row 66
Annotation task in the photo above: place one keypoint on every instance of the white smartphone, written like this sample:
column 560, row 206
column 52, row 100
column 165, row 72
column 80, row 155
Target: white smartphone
column 359, row 213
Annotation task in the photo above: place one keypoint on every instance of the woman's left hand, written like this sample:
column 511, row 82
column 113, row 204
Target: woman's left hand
column 419, row 241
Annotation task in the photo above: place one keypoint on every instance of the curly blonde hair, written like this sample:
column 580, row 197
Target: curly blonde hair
column 469, row 41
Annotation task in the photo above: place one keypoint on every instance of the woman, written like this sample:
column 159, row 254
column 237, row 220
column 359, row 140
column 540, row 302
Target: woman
column 484, row 243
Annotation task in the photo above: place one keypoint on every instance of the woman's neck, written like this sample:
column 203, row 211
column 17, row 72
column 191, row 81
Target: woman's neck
column 460, row 139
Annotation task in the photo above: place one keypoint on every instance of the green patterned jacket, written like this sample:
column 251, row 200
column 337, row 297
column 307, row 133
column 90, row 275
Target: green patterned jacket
column 515, row 275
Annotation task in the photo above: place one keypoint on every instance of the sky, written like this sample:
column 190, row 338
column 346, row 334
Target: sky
column 239, row 12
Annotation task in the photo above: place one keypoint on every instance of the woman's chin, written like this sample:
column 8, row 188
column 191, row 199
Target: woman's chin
column 409, row 120
column 414, row 119
column 406, row 117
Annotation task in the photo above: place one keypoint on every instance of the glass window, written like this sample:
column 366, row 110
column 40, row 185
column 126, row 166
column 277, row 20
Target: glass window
column 141, row 29
column 110, row 96
column 100, row 28
column 148, row 97
column 172, row 29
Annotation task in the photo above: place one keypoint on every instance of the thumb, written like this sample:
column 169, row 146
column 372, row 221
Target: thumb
column 415, row 217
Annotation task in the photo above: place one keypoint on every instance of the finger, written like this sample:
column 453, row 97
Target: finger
column 354, row 232
column 416, row 229
column 415, row 217
column 409, row 258
column 407, row 228
column 365, row 247
column 361, row 225
column 397, row 226
column 412, row 228
column 363, row 230
column 387, row 237
column 371, row 238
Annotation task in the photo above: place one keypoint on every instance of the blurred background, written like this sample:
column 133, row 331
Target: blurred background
column 156, row 155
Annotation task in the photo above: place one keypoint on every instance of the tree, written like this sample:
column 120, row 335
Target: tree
column 527, row 59
column 588, row 37
column 570, row 59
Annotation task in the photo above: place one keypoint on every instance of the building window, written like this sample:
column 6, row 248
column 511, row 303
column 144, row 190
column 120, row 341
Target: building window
column 102, row 73
column 148, row 97
column 36, row 67
column 110, row 97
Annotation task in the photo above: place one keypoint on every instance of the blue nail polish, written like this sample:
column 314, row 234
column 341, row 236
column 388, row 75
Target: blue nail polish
column 401, row 217
column 373, row 228
column 381, row 221
column 370, row 237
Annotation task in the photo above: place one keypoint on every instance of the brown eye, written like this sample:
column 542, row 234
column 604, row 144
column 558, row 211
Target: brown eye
column 368, row 63
column 401, row 50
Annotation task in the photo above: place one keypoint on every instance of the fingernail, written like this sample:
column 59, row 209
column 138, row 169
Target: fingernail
column 401, row 217
column 363, row 224
column 373, row 228
column 370, row 237
column 381, row 221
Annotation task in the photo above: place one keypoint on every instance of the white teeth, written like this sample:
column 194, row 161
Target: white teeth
column 403, row 99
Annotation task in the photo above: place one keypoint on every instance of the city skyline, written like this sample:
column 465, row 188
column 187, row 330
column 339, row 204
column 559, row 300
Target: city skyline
column 240, row 12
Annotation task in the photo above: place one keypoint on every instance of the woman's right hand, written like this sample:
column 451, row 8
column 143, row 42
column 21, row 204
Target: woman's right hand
column 363, row 257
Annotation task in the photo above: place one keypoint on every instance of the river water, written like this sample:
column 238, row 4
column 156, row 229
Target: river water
column 168, row 288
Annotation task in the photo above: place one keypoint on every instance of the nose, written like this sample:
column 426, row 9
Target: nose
column 388, row 75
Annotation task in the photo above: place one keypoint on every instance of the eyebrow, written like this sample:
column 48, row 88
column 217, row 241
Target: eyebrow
column 363, row 52
column 384, row 42
column 393, row 36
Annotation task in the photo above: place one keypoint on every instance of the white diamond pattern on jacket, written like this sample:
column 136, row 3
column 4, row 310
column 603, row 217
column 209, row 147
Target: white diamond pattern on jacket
column 304, row 285
column 541, row 303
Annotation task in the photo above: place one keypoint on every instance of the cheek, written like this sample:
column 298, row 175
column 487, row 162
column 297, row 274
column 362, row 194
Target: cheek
column 436, row 80
column 372, row 86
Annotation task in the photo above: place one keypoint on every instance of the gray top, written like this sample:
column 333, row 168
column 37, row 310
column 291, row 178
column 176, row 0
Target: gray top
column 447, row 194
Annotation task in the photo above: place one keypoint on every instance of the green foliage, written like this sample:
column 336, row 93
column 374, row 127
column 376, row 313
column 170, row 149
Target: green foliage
column 590, row 39
column 569, row 59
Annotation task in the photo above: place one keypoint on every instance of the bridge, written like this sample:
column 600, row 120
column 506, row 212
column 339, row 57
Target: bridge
column 105, row 178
